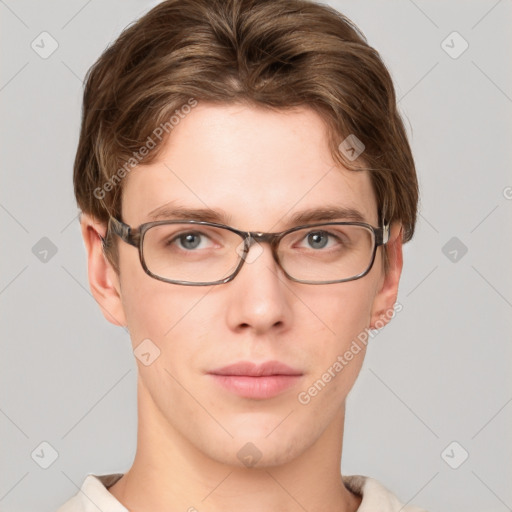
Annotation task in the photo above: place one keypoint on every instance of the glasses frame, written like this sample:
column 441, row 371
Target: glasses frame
column 135, row 237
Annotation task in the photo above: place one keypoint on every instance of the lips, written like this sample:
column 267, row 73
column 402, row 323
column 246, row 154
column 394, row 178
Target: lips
column 256, row 381
column 250, row 369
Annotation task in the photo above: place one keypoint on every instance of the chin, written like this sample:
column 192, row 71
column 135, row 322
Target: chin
column 256, row 448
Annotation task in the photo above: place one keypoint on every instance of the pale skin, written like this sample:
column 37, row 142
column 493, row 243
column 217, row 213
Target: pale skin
column 259, row 167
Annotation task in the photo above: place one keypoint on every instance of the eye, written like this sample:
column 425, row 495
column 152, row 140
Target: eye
column 189, row 241
column 319, row 239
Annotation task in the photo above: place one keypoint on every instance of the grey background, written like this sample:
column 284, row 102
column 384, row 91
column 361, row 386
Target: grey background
column 436, row 374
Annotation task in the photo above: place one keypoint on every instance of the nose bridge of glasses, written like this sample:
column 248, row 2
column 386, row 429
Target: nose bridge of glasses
column 256, row 236
column 260, row 237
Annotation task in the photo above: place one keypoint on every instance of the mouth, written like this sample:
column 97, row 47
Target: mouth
column 256, row 381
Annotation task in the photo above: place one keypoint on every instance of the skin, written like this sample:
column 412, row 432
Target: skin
column 259, row 167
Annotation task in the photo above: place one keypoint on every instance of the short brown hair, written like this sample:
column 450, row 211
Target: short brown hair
column 275, row 54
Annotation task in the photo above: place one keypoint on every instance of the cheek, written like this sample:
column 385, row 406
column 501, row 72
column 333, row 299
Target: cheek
column 146, row 308
column 336, row 351
column 344, row 313
column 166, row 333
column 152, row 308
column 341, row 310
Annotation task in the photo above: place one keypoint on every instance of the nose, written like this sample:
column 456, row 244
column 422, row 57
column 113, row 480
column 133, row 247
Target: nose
column 259, row 295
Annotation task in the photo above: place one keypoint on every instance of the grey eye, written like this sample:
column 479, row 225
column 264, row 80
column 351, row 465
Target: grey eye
column 190, row 240
column 318, row 239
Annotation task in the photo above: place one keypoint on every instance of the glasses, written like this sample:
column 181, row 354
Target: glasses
column 200, row 253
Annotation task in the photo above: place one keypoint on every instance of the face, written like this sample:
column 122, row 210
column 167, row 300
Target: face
column 258, row 168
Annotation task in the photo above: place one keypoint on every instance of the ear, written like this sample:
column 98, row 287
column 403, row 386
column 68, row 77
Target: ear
column 387, row 291
column 103, row 279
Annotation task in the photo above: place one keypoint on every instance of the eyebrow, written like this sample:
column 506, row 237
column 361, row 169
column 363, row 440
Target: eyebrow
column 310, row 215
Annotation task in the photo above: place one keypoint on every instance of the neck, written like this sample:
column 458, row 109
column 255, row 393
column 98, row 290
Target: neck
column 170, row 473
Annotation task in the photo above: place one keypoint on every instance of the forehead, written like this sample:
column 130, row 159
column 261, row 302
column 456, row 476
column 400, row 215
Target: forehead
column 257, row 167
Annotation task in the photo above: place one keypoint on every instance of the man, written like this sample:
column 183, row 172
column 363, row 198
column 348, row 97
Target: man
column 208, row 127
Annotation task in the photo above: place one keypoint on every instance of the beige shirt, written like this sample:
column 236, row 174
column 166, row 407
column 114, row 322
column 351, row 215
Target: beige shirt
column 94, row 496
